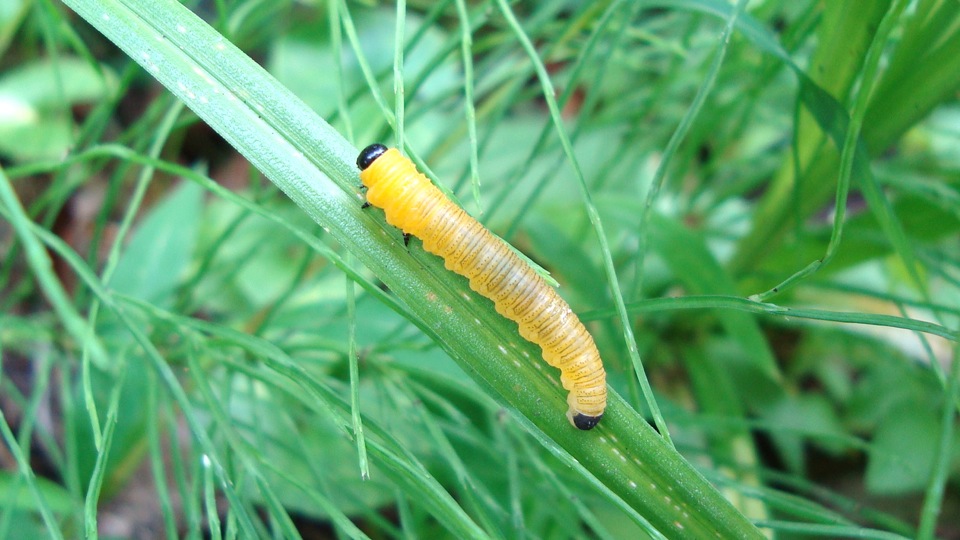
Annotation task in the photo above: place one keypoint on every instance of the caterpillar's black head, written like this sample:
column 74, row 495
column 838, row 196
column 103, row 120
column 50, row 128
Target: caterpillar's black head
column 370, row 154
column 585, row 422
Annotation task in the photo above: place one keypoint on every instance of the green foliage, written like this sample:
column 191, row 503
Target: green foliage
column 36, row 98
column 755, row 207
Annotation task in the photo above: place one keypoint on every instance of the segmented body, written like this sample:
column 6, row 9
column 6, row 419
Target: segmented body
column 417, row 207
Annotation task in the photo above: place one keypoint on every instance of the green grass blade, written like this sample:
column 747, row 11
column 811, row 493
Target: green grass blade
column 26, row 471
column 314, row 165
column 594, row 216
column 42, row 268
column 934, row 497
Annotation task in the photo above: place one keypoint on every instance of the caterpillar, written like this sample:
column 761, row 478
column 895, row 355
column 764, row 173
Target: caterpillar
column 519, row 293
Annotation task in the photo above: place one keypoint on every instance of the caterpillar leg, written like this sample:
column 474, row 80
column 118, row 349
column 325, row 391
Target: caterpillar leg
column 580, row 420
column 406, row 239
column 363, row 190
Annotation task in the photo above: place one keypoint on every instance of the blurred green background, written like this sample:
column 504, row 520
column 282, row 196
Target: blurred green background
column 754, row 207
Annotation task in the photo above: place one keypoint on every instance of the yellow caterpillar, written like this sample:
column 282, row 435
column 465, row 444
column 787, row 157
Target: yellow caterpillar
column 418, row 208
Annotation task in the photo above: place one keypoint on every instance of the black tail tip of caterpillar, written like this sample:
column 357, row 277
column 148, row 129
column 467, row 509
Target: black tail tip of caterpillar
column 585, row 422
column 370, row 154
